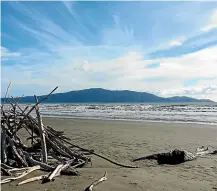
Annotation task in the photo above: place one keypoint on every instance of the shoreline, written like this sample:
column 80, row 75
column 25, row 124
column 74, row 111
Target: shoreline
column 209, row 125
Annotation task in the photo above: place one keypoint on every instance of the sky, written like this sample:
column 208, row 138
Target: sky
column 165, row 48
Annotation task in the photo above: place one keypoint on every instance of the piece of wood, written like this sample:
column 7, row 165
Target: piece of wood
column 90, row 187
column 22, row 175
column 56, row 171
column 15, row 151
column 3, row 145
column 47, row 167
column 35, row 162
column 73, row 154
column 6, row 166
column 18, row 169
column 42, row 133
column 6, row 95
column 41, row 177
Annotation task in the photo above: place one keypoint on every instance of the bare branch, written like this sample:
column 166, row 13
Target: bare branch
column 90, row 187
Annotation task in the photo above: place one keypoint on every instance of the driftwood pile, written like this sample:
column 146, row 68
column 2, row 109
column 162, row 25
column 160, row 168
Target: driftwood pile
column 49, row 150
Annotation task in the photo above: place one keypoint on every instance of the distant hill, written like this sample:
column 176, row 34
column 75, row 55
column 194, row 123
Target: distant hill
column 98, row 95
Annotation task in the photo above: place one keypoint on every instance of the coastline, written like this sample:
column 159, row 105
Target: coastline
column 186, row 114
column 123, row 141
column 193, row 124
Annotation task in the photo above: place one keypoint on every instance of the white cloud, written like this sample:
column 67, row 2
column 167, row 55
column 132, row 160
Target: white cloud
column 199, row 91
column 132, row 65
column 6, row 54
column 177, row 42
column 196, row 90
column 125, row 72
column 212, row 23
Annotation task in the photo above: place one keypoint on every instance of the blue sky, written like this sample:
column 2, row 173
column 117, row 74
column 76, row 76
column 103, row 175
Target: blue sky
column 166, row 48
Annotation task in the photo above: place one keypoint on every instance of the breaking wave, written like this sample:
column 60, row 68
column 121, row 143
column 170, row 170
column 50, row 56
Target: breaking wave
column 177, row 113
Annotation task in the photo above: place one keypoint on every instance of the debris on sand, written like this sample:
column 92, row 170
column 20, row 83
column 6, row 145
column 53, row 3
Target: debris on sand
column 177, row 156
column 50, row 150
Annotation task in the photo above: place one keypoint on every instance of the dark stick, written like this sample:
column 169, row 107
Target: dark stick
column 6, row 93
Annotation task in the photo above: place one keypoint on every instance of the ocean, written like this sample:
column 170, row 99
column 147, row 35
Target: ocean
column 197, row 113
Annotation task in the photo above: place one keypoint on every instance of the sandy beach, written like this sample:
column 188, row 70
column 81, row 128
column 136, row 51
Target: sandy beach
column 123, row 141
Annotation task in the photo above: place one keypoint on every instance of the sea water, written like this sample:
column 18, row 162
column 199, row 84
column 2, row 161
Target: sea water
column 199, row 113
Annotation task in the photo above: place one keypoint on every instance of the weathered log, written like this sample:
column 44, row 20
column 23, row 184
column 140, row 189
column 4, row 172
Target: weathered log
column 15, row 151
column 41, row 177
column 42, row 133
column 3, row 145
column 44, row 166
column 47, row 167
column 172, row 157
column 19, row 169
column 22, row 175
column 56, row 171
column 56, row 148
column 90, row 187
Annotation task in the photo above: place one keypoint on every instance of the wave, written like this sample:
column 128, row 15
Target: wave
column 176, row 113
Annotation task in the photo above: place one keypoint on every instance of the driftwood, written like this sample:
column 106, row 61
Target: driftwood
column 90, row 187
column 15, row 151
column 42, row 133
column 49, row 150
column 22, row 175
column 177, row 156
column 48, row 177
column 56, row 171
column 41, row 177
column 5, row 172
column 3, row 146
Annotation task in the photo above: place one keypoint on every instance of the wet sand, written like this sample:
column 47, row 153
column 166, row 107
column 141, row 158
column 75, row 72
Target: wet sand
column 123, row 141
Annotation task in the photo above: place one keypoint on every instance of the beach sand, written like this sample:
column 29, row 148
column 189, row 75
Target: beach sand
column 123, row 141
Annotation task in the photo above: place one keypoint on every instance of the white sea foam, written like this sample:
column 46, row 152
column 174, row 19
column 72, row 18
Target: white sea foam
column 177, row 113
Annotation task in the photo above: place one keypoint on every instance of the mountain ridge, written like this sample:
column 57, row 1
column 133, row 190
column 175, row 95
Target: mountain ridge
column 100, row 95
